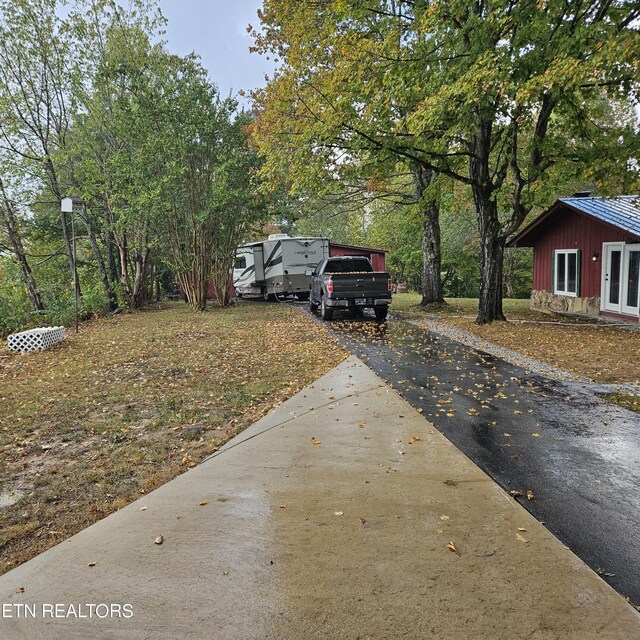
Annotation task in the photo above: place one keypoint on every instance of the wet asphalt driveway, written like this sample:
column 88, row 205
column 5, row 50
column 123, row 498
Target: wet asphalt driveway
column 578, row 456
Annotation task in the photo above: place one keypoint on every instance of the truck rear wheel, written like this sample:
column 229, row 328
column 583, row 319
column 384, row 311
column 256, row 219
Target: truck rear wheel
column 325, row 312
column 381, row 313
column 313, row 305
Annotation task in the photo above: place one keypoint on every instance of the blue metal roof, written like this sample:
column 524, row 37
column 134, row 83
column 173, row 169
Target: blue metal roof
column 622, row 212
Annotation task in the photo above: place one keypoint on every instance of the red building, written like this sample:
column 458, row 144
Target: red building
column 586, row 256
column 377, row 256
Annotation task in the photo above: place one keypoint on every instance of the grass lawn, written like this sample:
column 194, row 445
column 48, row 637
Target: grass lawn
column 133, row 401
column 406, row 304
column 604, row 353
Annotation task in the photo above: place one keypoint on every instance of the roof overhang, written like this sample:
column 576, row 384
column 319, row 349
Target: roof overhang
column 528, row 235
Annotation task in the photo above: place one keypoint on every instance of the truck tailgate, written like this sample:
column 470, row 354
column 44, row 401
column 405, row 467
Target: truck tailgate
column 351, row 285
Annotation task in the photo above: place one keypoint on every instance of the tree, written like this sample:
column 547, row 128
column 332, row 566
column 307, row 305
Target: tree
column 330, row 111
column 491, row 94
column 520, row 79
column 35, row 106
column 204, row 174
column 10, row 225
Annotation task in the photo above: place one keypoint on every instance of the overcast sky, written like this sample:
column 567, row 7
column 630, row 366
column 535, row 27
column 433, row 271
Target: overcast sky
column 217, row 31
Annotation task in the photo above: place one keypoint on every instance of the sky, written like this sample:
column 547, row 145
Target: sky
column 216, row 30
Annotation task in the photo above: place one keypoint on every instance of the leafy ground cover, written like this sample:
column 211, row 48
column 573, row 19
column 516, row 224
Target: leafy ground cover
column 626, row 400
column 133, row 401
column 605, row 353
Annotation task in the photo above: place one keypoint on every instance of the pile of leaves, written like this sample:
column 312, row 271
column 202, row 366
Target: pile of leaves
column 133, row 401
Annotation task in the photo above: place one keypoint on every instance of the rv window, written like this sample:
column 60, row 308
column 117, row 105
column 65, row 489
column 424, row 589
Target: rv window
column 241, row 263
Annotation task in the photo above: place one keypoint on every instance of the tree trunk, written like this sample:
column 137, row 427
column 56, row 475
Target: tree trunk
column 138, row 297
column 510, row 271
column 109, row 244
column 195, row 285
column 220, row 277
column 431, row 252
column 102, row 270
column 7, row 214
column 491, row 256
column 492, row 242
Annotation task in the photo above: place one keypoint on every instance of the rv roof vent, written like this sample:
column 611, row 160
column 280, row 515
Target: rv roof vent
column 278, row 236
column 581, row 194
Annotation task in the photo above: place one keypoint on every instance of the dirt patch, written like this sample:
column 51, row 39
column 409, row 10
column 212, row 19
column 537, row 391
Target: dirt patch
column 133, row 401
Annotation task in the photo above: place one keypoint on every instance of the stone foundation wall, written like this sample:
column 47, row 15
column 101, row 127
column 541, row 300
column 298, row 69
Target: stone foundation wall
column 549, row 302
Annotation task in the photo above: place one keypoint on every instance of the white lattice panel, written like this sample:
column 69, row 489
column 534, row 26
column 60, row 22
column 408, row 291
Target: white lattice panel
column 35, row 339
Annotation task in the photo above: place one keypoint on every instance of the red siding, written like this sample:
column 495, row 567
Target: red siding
column 377, row 257
column 570, row 230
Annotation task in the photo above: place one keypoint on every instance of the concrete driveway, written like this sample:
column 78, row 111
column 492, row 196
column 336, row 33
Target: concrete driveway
column 342, row 514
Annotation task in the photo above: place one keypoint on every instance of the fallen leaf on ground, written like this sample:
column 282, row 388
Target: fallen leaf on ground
column 314, row 441
column 339, row 513
column 452, row 548
column 443, row 517
column 516, row 494
column 159, row 540
column 362, row 520
column 530, row 495
column 203, row 502
column 92, row 564
column 521, row 538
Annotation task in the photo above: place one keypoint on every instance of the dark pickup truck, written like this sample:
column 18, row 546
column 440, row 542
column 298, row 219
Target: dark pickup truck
column 349, row 283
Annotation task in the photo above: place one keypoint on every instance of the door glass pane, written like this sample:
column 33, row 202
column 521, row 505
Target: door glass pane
column 560, row 271
column 572, row 266
column 614, row 277
column 633, row 278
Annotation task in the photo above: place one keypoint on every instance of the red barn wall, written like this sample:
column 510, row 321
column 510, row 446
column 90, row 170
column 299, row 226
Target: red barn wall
column 572, row 230
column 377, row 257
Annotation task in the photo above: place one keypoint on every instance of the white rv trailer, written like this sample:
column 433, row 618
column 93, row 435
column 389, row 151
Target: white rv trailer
column 278, row 266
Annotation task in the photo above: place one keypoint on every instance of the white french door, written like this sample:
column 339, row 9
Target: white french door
column 621, row 277
column 631, row 279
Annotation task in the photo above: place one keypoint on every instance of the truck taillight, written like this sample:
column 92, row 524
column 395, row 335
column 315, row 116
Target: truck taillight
column 329, row 286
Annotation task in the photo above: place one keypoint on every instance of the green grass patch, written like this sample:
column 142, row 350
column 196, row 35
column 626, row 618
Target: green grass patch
column 409, row 305
column 627, row 400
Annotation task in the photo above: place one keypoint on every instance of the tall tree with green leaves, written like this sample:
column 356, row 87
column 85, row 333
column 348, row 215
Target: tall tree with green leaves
column 335, row 111
column 35, row 102
column 490, row 93
column 515, row 97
